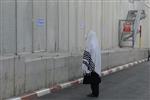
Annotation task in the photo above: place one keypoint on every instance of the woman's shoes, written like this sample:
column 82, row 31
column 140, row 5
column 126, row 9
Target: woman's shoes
column 92, row 95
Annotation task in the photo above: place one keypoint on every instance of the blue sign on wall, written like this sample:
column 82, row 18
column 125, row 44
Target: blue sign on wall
column 40, row 22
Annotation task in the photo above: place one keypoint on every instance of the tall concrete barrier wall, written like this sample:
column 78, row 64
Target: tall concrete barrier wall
column 25, row 73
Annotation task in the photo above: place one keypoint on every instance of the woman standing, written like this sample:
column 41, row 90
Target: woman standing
column 92, row 63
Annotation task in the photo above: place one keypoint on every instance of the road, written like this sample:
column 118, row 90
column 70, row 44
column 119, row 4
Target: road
column 129, row 84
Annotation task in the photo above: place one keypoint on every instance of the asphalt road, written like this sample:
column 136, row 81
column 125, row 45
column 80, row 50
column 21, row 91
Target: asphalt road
column 129, row 84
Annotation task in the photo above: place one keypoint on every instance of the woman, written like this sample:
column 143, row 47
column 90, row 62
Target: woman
column 92, row 63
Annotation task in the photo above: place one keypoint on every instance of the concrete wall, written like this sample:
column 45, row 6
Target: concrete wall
column 59, row 26
column 48, row 37
column 26, row 73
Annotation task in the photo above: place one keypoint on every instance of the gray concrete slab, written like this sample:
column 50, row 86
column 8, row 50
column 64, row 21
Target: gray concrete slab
column 104, row 59
column 39, row 31
column 19, row 75
column 49, row 72
column 7, row 77
column 35, row 75
column 129, row 84
column 74, row 67
column 8, row 27
column 60, row 69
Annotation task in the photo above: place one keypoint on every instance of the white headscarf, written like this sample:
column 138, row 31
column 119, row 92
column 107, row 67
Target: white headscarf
column 93, row 48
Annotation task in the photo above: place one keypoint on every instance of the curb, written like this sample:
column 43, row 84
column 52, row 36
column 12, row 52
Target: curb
column 59, row 87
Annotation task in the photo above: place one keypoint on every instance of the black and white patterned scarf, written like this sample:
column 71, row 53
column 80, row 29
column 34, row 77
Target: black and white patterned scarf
column 87, row 60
